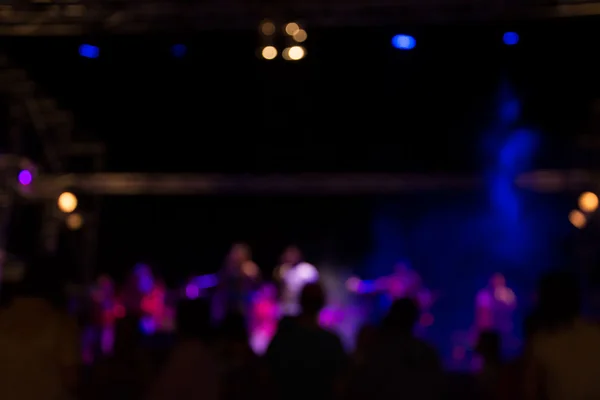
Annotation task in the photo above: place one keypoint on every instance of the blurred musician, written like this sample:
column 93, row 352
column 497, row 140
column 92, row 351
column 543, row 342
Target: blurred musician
column 265, row 316
column 494, row 306
column 158, row 314
column 105, row 309
column 403, row 282
column 139, row 285
column 236, row 282
column 293, row 274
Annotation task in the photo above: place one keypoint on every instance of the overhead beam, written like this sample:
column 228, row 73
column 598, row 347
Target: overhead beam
column 132, row 184
column 71, row 18
column 554, row 181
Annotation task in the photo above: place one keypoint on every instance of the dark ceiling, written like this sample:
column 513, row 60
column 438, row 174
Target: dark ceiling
column 354, row 104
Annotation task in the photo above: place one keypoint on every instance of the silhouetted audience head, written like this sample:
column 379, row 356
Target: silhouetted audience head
column 531, row 325
column 127, row 335
column 193, row 319
column 489, row 345
column 312, row 299
column 367, row 336
column 559, row 298
column 403, row 316
column 234, row 328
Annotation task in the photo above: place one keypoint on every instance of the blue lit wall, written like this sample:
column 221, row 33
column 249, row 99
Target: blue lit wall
column 458, row 240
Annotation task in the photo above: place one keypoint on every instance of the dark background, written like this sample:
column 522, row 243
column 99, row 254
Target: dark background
column 354, row 104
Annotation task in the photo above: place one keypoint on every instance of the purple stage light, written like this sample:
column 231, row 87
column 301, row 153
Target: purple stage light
column 25, row 177
column 147, row 325
column 192, row 291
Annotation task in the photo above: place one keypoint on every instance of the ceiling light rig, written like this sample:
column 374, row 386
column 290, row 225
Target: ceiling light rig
column 295, row 37
column 267, row 30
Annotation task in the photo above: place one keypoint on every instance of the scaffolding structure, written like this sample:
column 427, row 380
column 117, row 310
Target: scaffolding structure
column 75, row 18
column 35, row 117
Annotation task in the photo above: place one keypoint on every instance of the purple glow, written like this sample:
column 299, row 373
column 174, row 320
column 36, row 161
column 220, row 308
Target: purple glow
column 148, row 325
column 25, row 177
column 206, row 281
column 192, row 291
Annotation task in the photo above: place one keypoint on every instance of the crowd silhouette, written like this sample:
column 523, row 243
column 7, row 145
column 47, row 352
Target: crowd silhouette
column 40, row 354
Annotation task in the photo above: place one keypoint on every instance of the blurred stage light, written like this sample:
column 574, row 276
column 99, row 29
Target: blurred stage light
column 267, row 28
column 578, row 219
column 206, row 281
column 67, row 202
column 300, row 36
column 147, row 325
column 269, row 52
column 510, row 38
column 25, row 177
column 178, row 50
column 89, row 51
column 119, row 311
column 588, row 202
column 74, row 221
column 294, row 53
column 404, row 42
column 192, row 291
column 292, row 28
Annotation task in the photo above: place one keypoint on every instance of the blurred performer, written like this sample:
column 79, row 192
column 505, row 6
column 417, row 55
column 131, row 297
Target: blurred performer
column 265, row 314
column 199, row 286
column 494, row 306
column 237, row 281
column 98, row 335
column 404, row 282
column 158, row 316
column 106, row 311
column 293, row 274
column 139, row 284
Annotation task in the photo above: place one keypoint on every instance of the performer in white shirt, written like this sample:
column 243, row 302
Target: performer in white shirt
column 293, row 274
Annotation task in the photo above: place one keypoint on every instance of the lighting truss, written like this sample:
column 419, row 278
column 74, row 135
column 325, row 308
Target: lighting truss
column 121, row 17
column 36, row 117
column 132, row 184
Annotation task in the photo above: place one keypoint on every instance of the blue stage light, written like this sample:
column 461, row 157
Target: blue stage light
column 404, row 42
column 178, row 50
column 510, row 38
column 89, row 51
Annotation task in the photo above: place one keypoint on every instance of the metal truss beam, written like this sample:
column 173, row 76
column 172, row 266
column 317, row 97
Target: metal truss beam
column 554, row 181
column 53, row 128
column 71, row 18
column 132, row 184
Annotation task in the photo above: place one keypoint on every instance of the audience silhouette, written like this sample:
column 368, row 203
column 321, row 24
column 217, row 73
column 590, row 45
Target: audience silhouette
column 398, row 365
column 39, row 354
column 192, row 370
column 564, row 355
column 39, row 342
column 305, row 360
